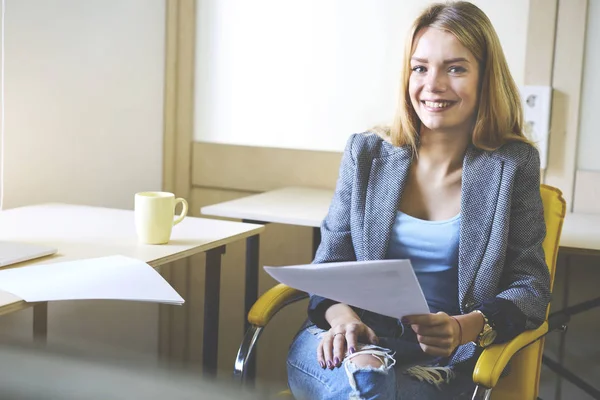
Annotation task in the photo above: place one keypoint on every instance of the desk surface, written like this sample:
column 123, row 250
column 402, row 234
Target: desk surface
column 87, row 232
column 581, row 232
column 291, row 205
column 308, row 207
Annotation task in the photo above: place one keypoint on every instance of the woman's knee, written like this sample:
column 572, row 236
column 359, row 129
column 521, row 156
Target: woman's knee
column 371, row 374
column 366, row 360
column 372, row 357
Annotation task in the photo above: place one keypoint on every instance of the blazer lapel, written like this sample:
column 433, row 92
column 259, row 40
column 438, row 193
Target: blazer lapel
column 384, row 188
column 481, row 180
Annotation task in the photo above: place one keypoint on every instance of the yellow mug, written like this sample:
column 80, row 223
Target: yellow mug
column 155, row 216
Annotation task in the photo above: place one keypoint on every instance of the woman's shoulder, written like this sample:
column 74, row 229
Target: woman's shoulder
column 516, row 152
column 370, row 145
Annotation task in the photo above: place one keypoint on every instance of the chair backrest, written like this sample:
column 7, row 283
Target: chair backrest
column 523, row 381
column 555, row 209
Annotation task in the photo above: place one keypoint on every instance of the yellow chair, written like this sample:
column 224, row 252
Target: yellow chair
column 525, row 350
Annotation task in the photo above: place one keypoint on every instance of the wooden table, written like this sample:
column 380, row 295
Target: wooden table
column 290, row 206
column 80, row 232
column 580, row 236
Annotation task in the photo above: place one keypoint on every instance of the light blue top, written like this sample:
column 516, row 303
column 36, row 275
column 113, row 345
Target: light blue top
column 432, row 248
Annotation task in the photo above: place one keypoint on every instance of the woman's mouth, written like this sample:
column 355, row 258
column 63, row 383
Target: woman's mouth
column 437, row 106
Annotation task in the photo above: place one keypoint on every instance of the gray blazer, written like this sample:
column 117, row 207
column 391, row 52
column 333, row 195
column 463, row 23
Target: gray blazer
column 502, row 223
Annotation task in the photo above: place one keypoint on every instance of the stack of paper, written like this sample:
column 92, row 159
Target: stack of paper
column 387, row 287
column 114, row 277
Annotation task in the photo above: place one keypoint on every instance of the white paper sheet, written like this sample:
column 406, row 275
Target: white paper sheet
column 388, row 287
column 114, row 277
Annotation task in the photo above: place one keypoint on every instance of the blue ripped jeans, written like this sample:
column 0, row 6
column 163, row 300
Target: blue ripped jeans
column 398, row 351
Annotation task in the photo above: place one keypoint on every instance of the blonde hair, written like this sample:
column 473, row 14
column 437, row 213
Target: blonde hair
column 500, row 115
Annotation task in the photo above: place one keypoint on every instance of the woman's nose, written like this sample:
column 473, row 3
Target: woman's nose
column 435, row 82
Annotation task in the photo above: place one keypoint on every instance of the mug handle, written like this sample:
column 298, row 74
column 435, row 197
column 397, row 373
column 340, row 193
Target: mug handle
column 184, row 210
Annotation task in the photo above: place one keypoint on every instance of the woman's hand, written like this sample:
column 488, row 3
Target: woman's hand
column 438, row 334
column 342, row 335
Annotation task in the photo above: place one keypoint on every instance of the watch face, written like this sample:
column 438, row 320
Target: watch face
column 487, row 338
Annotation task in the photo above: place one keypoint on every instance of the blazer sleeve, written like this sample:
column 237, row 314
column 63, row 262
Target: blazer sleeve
column 525, row 284
column 336, row 239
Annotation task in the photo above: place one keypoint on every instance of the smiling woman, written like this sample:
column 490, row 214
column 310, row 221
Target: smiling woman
column 460, row 51
column 443, row 82
column 443, row 186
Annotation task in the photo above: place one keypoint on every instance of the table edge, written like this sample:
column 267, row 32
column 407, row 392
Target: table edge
column 207, row 247
column 262, row 218
column 21, row 304
column 586, row 251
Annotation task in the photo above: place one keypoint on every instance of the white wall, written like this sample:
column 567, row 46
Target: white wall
column 84, row 122
column 84, row 96
column 307, row 73
column 589, row 140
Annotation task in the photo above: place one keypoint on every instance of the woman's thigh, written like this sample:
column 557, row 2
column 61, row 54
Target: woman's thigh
column 307, row 380
column 409, row 354
column 410, row 388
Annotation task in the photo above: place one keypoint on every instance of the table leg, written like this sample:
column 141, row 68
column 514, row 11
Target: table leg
column 560, row 318
column 571, row 377
column 316, row 240
column 40, row 322
column 251, row 293
column 563, row 334
column 212, row 285
column 251, row 288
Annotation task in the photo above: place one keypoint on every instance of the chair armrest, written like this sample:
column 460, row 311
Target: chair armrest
column 494, row 359
column 271, row 302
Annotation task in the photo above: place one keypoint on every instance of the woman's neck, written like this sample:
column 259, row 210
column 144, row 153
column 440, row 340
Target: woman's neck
column 442, row 151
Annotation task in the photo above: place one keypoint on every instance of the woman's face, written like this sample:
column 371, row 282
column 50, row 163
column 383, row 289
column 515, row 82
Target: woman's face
column 443, row 82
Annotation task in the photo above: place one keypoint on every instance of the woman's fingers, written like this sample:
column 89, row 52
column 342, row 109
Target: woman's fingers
column 439, row 324
column 435, row 333
column 320, row 355
column 439, row 331
column 426, row 319
column 339, row 348
column 373, row 339
column 327, row 343
column 436, row 351
column 442, row 342
column 351, row 341
column 331, row 351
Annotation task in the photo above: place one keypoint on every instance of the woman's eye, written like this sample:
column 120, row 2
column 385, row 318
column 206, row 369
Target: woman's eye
column 456, row 70
column 419, row 69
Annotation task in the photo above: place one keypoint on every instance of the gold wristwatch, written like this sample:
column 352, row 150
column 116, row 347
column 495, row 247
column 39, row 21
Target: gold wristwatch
column 487, row 335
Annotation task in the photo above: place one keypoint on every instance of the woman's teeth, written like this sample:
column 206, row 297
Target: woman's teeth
column 437, row 104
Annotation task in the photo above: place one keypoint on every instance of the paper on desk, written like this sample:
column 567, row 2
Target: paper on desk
column 114, row 277
column 388, row 287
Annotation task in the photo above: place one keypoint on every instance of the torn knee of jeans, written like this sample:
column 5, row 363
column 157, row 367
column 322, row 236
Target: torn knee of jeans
column 384, row 358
